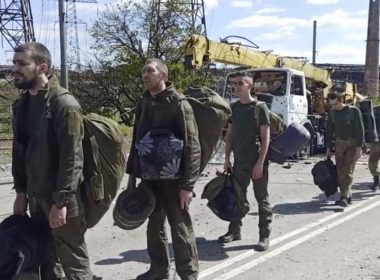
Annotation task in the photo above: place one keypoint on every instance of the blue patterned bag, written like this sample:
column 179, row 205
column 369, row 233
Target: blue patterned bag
column 160, row 154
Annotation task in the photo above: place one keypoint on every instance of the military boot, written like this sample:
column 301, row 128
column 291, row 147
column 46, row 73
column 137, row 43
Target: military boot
column 152, row 275
column 375, row 182
column 232, row 234
column 263, row 244
column 343, row 202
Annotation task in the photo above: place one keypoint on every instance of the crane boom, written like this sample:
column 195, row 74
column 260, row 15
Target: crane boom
column 200, row 51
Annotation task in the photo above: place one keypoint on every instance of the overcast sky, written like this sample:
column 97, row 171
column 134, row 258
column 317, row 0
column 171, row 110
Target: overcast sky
column 284, row 26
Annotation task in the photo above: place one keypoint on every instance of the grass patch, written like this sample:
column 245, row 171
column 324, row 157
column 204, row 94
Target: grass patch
column 127, row 132
column 5, row 128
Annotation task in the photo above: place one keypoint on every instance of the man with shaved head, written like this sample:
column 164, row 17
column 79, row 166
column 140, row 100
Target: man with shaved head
column 249, row 157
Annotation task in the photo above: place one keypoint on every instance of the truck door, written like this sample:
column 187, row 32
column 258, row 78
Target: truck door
column 297, row 99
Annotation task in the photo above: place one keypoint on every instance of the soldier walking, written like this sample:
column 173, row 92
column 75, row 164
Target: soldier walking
column 47, row 162
column 162, row 107
column 374, row 156
column 345, row 122
column 249, row 144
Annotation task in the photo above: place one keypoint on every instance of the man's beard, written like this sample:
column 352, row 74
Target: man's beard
column 25, row 84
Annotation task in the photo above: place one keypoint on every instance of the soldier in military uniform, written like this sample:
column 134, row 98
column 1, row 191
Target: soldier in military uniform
column 250, row 162
column 374, row 155
column 162, row 107
column 47, row 162
column 346, row 124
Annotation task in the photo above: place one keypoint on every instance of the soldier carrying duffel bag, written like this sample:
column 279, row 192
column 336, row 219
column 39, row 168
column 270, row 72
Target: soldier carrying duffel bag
column 225, row 199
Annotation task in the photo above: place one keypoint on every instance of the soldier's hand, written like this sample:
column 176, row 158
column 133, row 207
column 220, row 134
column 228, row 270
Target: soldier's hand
column 364, row 148
column 57, row 217
column 328, row 153
column 227, row 165
column 257, row 170
column 20, row 204
column 131, row 182
column 185, row 198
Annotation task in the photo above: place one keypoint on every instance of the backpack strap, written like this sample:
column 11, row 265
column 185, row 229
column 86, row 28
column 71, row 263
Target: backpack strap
column 256, row 113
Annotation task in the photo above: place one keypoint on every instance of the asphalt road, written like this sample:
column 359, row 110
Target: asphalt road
column 311, row 239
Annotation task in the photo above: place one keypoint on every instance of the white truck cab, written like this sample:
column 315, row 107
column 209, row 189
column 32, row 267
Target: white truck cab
column 290, row 100
column 287, row 86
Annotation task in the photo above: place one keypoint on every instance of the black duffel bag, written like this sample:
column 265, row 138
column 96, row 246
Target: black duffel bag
column 325, row 176
column 23, row 246
column 223, row 198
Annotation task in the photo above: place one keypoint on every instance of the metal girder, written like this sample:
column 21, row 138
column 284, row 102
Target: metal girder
column 16, row 22
column 72, row 21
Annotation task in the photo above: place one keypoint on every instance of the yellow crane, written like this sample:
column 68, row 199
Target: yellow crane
column 200, row 51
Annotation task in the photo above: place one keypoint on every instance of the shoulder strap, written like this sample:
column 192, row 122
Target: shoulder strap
column 332, row 116
column 256, row 113
column 351, row 111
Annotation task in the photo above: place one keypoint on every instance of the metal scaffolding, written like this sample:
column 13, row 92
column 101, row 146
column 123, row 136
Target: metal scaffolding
column 196, row 21
column 16, row 22
column 72, row 22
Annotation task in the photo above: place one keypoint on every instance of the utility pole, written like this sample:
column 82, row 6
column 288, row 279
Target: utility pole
column 16, row 22
column 62, row 40
column 314, row 41
column 371, row 74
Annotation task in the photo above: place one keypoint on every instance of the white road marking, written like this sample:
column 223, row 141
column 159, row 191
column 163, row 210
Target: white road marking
column 6, row 180
column 279, row 239
column 287, row 246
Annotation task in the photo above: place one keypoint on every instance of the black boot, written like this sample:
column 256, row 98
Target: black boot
column 152, row 275
column 263, row 244
column 232, row 234
column 375, row 182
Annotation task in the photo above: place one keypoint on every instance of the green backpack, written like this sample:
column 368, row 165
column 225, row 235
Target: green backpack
column 277, row 125
column 211, row 114
column 105, row 156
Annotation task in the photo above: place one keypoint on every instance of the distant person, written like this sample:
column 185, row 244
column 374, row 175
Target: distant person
column 374, row 156
column 346, row 124
column 47, row 162
column 250, row 161
column 161, row 107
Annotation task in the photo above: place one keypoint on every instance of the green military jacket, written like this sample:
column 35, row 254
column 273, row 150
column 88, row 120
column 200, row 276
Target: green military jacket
column 49, row 166
column 345, row 124
column 168, row 110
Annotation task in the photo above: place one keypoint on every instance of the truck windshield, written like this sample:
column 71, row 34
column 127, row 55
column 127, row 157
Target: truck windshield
column 273, row 82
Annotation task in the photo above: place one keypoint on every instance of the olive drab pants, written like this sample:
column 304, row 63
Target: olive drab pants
column 346, row 156
column 67, row 248
column 242, row 174
column 185, row 249
column 373, row 160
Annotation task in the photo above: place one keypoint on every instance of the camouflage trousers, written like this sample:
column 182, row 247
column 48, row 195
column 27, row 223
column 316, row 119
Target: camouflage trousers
column 347, row 154
column 242, row 174
column 373, row 159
